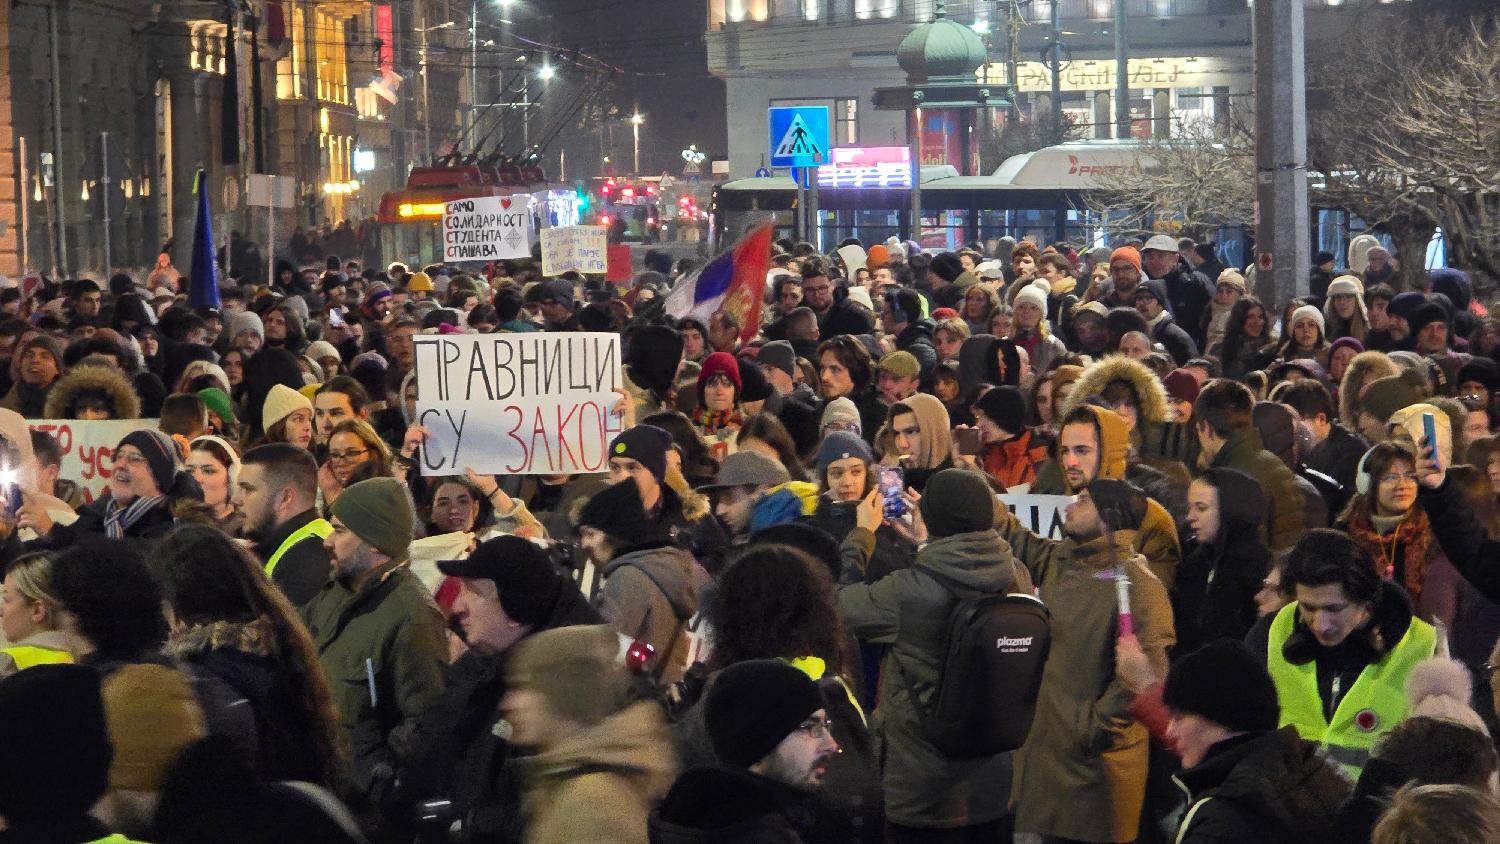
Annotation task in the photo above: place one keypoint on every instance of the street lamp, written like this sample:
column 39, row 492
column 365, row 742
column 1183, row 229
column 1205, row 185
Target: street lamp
column 635, row 130
column 546, row 72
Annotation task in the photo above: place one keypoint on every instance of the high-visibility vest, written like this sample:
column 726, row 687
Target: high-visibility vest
column 317, row 527
column 1373, row 706
column 117, row 838
column 26, row 656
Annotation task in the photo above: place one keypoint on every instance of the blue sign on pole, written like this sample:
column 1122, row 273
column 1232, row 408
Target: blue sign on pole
column 762, row 173
column 799, row 136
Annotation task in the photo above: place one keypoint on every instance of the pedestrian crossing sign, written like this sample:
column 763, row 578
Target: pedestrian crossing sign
column 799, row 136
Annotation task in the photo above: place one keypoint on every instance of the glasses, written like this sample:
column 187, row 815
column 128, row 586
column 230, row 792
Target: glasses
column 346, row 456
column 817, row 727
column 1396, row 477
column 132, row 459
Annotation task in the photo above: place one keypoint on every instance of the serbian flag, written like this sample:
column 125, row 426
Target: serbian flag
column 734, row 282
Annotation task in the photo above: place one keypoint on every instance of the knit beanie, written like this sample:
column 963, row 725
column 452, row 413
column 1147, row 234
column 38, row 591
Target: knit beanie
column 53, row 346
column 779, row 354
column 753, row 383
column 1440, row 687
column 1308, row 312
column 839, row 445
column 1224, row 683
column 1121, row 506
column 720, row 363
column 1482, row 370
column 1181, row 385
column 244, row 321
column 161, row 453
column 957, row 501
column 900, row 363
column 877, row 257
column 1346, row 285
column 52, row 716
column 1425, row 314
column 1404, row 303
column 652, row 355
column 1156, row 289
column 1382, row 397
column 377, row 511
column 1035, row 293
column 841, row 411
column 751, row 707
column 618, row 513
column 1127, row 253
column 282, row 401
column 1005, row 406
column 1345, row 343
column 645, row 444
column 319, row 349
column 946, row 266
column 577, row 670
column 1234, row 278
column 152, row 716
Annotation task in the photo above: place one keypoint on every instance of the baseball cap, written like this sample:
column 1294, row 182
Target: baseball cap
column 1161, row 243
column 748, row 468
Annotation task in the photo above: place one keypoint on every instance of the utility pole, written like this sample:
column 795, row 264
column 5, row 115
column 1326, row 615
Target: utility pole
column 1122, row 74
column 473, row 69
column 1056, row 67
column 1283, row 239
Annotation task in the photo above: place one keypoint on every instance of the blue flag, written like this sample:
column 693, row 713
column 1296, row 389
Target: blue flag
column 204, row 289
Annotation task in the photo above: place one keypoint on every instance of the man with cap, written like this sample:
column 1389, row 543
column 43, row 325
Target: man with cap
column 769, row 727
column 1191, row 292
column 1246, row 781
column 1082, row 772
column 898, row 375
column 949, row 280
column 1008, row 451
column 926, row 790
column 380, row 636
column 752, row 491
column 798, row 409
column 639, row 453
column 1124, row 275
column 1428, row 325
column 509, row 590
column 557, row 299
column 647, row 591
column 277, row 491
column 1152, row 302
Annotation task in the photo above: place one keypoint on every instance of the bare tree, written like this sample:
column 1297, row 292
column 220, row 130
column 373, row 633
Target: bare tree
column 1026, row 135
column 1199, row 180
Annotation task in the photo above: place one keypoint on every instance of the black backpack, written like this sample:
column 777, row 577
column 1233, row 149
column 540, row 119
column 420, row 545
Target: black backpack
column 996, row 648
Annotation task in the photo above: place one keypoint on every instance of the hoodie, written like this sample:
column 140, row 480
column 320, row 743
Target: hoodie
column 648, row 593
column 96, row 378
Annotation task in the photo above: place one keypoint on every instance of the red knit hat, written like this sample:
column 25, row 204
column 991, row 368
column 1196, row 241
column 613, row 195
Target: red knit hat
column 1129, row 253
column 720, row 363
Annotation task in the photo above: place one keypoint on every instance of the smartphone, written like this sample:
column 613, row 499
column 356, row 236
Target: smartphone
column 892, row 482
column 336, row 317
column 1429, row 429
column 968, row 440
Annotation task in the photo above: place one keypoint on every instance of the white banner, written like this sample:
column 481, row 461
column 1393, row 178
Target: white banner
column 487, row 228
column 88, row 448
column 518, row 404
column 1042, row 513
column 580, row 248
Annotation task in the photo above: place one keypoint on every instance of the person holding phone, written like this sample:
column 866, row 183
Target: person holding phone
column 1006, row 449
column 920, row 439
column 847, row 474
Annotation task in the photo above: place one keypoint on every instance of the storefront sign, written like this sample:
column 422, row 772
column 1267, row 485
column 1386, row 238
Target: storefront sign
column 1099, row 75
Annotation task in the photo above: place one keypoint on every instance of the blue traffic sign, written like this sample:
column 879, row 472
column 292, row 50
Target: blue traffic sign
column 799, row 136
column 762, row 173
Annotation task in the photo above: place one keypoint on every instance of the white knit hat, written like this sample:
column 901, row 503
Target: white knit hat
column 1311, row 313
column 1033, row 293
column 319, row 349
column 1346, row 285
column 282, row 402
column 862, row 296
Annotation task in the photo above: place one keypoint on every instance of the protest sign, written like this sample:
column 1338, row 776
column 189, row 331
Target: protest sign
column 619, row 266
column 487, row 228
column 88, row 448
column 1043, row 514
column 578, row 248
column 518, row 404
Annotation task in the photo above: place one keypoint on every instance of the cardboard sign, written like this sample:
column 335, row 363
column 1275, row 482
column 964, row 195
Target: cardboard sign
column 580, row 248
column 619, row 264
column 1042, row 513
column 88, row 448
column 487, row 228
column 518, row 404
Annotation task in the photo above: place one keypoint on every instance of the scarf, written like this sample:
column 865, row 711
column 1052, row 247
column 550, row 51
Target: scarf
column 1409, row 541
column 714, row 421
column 119, row 519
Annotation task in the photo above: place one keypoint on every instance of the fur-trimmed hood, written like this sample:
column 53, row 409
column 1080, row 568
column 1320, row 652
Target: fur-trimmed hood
column 1364, row 368
column 93, row 376
column 255, row 638
column 1149, row 392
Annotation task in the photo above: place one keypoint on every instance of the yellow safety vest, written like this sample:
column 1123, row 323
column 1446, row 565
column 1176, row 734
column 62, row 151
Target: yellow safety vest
column 26, row 656
column 117, row 838
column 317, row 527
column 1373, row 706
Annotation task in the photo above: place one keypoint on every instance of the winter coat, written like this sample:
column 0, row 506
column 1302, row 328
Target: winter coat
column 1013, row 462
column 1178, row 343
column 1338, row 455
column 100, row 378
column 1082, row 772
column 303, row 569
column 1191, row 293
column 89, row 528
column 1286, row 523
column 648, row 594
column 1043, row 349
column 917, row 339
column 390, row 630
column 909, row 611
column 26, row 400
column 599, row 784
column 891, row 552
column 1214, row 596
column 1262, row 788
column 730, row 806
column 952, row 295
column 845, row 317
column 243, row 656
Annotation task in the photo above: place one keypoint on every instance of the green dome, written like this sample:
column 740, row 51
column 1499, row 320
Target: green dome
column 941, row 48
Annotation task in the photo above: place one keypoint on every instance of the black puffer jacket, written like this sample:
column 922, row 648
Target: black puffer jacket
column 1262, row 788
column 1214, row 596
column 1191, row 293
column 730, row 806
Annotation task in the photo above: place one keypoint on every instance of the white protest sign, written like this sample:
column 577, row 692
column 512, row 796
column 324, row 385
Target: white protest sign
column 581, row 248
column 88, row 448
column 487, row 228
column 1043, row 514
column 518, row 404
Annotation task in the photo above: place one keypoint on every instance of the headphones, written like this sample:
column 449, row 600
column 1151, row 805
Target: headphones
column 892, row 299
column 1362, row 479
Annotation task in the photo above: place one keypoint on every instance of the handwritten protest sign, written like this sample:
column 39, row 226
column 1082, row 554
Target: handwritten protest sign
column 519, row 404
column 1042, row 513
column 88, row 448
column 487, row 228
column 580, row 248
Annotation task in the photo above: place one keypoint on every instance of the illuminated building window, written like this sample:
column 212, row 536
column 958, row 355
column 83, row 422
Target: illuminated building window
column 289, row 68
column 332, row 67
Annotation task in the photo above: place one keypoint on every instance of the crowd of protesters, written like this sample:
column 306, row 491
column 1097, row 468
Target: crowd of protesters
column 1271, row 599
